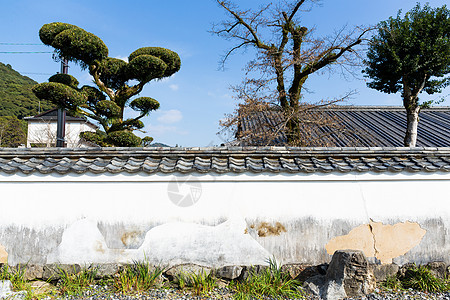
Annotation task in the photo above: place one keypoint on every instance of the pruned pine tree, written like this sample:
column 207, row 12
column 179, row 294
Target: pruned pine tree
column 116, row 80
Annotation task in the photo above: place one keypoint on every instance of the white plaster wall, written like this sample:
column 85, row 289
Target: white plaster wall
column 313, row 208
column 45, row 132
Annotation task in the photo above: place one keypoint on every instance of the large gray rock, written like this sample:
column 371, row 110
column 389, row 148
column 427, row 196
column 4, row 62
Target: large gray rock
column 348, row 275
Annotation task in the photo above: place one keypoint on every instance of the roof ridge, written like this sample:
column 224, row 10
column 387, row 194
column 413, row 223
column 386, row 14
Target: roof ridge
column 221, row 151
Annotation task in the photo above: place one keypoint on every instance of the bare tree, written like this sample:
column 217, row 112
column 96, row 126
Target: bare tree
column 287, row 53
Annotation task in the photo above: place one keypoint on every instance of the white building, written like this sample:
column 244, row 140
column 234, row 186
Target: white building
column 42, row 130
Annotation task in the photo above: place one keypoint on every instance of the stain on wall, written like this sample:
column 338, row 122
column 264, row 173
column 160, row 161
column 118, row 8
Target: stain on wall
column 3, row 255
column 131, row 238
column 124, row 235
column 265, row 229
column 375, row 239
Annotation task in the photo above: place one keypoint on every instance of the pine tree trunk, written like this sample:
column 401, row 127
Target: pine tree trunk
column 411, row 126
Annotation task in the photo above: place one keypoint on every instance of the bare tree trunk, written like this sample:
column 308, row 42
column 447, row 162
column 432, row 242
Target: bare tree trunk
column 292, row 126
column 411, row 126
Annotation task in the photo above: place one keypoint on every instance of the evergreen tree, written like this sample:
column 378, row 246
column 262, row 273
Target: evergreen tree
column 116, row 82
column 411, row 55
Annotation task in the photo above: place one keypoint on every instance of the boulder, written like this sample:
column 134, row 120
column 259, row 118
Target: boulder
column 348, row 275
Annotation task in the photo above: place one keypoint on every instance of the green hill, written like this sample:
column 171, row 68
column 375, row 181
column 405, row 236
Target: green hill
column 16, row 97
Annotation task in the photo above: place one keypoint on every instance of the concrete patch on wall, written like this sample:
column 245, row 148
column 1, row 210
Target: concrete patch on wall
column 168, row 244
column 82, row 242
column 394, row 240
column 359, row 238
column 214, row 246
column 375, row 239
column 3, row 255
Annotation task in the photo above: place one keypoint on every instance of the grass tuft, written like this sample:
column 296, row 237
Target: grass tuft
column 200, row 283
column 137, row 277
column 422, row 279
column 392, row 283
column 16, row 276
column 270, row 283
column 75, row 283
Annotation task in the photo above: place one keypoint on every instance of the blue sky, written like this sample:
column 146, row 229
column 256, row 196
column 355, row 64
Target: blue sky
column 197, row 97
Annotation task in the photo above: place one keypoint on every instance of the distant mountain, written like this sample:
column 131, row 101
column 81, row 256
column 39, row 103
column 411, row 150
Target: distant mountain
column 158, row 145
column 16, row 97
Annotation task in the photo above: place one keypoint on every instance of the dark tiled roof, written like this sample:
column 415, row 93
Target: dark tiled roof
column 223, row 160
column 52, row 115
column 370, row 126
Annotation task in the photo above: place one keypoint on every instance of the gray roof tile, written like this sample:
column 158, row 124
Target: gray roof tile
column 224, row 160
column 362, row 126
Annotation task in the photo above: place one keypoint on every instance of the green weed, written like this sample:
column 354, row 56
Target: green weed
column 137, row 277
column 182, row 279
column 16, row 276
column 392, row 283
column 76, row 283
column 200, row 283
column 269, row 283
column 422, row 279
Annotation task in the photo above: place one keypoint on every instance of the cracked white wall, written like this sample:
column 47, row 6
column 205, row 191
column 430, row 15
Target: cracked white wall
column 313, row 209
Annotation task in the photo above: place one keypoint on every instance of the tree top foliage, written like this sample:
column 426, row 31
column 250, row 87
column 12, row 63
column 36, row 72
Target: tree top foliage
column 413, row 50
column 73, row 43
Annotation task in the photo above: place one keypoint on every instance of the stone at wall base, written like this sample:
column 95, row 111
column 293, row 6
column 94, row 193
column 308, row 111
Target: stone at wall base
column 229, row 272
column 382, row 272
column 248, row 271
column 185, row 269
column 31, row 272
column 106, row 270
column 303, row 272
column 7, row 293
column 439, row 269
column 52, row 272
